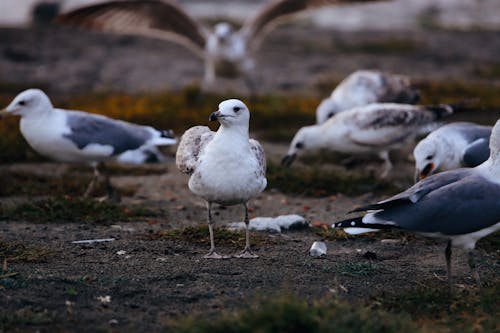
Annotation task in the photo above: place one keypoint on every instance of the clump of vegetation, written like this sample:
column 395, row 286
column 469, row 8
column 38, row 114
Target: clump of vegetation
column 200, row 235
column 312, row 181
column 65, row 209
column 291, row 314
column 379, row 47
column 19, row 252
column 27, row 317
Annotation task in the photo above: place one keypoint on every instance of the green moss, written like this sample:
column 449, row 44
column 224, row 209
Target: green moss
column 317, row 182
column 72, row 210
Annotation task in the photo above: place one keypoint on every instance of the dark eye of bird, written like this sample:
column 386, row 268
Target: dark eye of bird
column 330, row 115
column 299, row 145
column 22, row 103
column 236, row 109
column 429, row 157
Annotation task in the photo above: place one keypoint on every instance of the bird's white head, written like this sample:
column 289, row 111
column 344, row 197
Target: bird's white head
column 303, row 140
column 325, row 110
column 28, row 102
column 232, row 113
column 223, row 31
column 427, row 158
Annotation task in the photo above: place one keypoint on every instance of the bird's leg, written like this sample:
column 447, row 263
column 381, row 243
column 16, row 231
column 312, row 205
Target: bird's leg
column 447, row 254
column 384, row 155
column 212, row 254
column 209, row 77
column 91, row 186
column 246, row 253
column 473, row 268
column 111, row 194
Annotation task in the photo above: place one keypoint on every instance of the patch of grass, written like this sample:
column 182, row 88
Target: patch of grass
column 200, row 235
column 460, row 311
column 316, row 182
column 19, row 252
column 72, row 210
column 289, row 314
column 380, row 47
column 10, row 319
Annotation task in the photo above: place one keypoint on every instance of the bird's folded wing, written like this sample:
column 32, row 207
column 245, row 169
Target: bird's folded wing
column 419, row 190
column 151, row 18
column 279, row 10
column 476, row 153
column 258, row 151
column 191, row 146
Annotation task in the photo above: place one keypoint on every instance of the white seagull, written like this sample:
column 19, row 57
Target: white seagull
column 226, row 167
column 372, row 129
column 226, row 51
column 80, row 137
column 460, row 205
column 364, row 87
column 452, row 146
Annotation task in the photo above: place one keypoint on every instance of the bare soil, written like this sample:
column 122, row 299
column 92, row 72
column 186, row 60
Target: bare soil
column 160, row 278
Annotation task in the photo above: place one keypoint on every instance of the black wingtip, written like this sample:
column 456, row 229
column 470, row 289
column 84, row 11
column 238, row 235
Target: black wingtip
column 169, row 134
column 440, row 110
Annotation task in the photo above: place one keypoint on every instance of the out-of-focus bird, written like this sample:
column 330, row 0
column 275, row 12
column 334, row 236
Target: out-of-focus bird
column 225, row 50
column 371, row 129
column 452, row 146
column 459, row 205
column 364, row 87
column 80, row 137
column 226, row 167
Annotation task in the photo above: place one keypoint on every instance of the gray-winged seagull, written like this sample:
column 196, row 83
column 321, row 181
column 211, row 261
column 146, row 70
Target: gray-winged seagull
column 77, row 136
column 460, row 205
column 363, row 87
column 226, row 51
column 452, row 146
column 371, row 129
column 226, row 167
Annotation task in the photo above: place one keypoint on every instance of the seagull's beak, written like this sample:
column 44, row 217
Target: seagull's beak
column 288, row 160
column 214, row 116
column 427, row 171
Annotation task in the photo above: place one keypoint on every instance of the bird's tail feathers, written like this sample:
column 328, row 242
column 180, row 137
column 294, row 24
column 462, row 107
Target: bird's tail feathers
column 440, row 110
column 356, row 226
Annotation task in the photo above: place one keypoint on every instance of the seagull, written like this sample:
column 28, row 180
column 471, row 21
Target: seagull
column 226, row 167
column 371, row 129
column 364, row 87
column 80, row 137
column 452, row 146
column 225, row 50
column 459, row 205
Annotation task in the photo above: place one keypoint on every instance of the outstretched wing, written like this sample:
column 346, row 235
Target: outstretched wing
column 151, row 18
column 191, row 146
column 278, row 10
column 258, row 151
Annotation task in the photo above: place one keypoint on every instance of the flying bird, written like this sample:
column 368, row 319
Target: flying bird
column 460, row 205
column 363, row 87
column 81, row 137
column 225, row 167
column 452, row 146
column 227, row 52
column 371, row 129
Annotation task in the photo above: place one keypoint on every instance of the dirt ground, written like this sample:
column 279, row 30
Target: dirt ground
column 158, row 279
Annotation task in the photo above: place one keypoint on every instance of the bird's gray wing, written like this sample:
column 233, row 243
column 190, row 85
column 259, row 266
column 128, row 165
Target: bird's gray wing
column 476, row 153
column 151, row 18
column 191, row 146
column 278, row 10
column 384, row 124
column 462, row 207
column 258, row 151
column 86, row 129
column 419, row 190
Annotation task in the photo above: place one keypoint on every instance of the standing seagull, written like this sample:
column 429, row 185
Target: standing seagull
column 226, row 51
column 460, row 205
column 76, row 136
column 452, row 146
column 364, row 87
column 372, row 129
column 226, row 167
